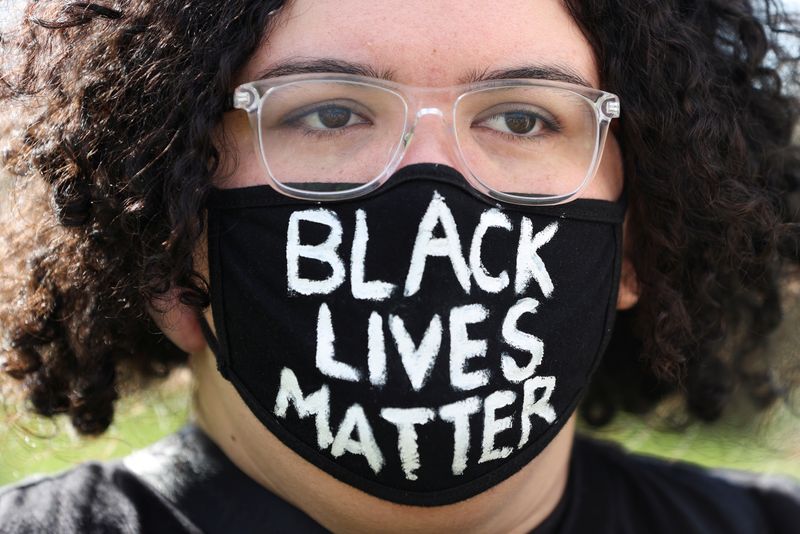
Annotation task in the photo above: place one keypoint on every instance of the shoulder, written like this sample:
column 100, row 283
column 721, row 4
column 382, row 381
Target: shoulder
column 92, row 497
column 672, row 496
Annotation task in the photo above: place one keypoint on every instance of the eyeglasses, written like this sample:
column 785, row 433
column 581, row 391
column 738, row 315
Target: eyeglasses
column 337, row 137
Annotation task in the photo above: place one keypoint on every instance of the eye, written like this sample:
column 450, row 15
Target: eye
column 329, row 117
column 521, row 120
column 517, row 123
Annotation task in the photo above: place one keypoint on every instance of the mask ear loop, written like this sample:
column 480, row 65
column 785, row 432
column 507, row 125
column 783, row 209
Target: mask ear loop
column 213, row 343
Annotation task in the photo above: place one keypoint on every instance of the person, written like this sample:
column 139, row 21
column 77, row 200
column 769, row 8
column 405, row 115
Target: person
column 393, row 240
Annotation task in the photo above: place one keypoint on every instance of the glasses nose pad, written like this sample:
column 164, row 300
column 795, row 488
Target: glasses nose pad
column 438, row 146
column 429, row 111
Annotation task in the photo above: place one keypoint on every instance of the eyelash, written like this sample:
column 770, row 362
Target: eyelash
column 326, row 134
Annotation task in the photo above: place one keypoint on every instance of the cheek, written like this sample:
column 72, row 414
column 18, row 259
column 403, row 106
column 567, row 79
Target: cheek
column 240, row 163
column 608, row 183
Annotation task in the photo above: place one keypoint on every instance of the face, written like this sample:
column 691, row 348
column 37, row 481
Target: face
column 422, row 43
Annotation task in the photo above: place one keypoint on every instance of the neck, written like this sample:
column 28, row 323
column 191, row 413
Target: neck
column 518, row 504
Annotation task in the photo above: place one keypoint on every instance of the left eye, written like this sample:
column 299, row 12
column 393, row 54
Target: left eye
column 331, row 118
column 518, row 123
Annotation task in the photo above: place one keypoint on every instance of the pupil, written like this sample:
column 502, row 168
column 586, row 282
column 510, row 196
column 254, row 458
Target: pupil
column 335, row 117
column 519, row 123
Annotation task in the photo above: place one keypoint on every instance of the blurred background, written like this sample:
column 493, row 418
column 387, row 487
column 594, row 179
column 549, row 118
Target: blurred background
column 766, row 443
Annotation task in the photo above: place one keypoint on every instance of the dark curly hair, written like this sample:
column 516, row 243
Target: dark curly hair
column 111, row 152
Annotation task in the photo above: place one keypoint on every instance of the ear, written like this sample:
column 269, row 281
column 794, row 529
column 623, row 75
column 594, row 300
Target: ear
column 629, row 288
column 178, row 322
column 628, row 294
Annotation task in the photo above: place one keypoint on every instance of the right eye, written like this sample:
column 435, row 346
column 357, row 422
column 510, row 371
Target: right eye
column 326, row 118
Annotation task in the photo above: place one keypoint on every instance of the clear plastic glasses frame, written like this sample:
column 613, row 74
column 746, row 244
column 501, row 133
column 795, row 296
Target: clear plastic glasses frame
column 418, row 102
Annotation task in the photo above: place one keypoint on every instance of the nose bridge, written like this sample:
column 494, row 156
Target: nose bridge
column 431, row 103
column 427, row 111
column 432, row 141
column 430, row 130
column 427, row 129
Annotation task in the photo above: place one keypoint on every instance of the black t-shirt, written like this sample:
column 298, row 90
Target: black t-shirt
column 185, row 484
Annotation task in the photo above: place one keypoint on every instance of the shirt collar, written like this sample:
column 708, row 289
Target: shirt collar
column 193, row 474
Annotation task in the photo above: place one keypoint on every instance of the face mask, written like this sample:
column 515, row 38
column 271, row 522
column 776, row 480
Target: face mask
column 422, row 343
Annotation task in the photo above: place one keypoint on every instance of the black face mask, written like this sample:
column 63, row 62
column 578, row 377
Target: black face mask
column 422, row 343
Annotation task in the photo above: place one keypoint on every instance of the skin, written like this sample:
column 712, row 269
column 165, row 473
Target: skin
column 392, row 36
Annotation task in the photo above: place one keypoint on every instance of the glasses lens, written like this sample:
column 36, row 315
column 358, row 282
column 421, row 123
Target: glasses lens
column 325, row 137
column 528, row 141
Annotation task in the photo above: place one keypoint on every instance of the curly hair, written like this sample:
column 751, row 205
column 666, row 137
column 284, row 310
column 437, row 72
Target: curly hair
column 112, row 154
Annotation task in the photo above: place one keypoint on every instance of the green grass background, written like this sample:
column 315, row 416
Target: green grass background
column 31, row 445
column 35, row 445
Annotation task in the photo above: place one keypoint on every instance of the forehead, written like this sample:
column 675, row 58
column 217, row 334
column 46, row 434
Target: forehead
column 428, row 42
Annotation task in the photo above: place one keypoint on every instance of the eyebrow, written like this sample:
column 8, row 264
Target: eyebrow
column 555, row 73
column 324, row 65
column 558, row 73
